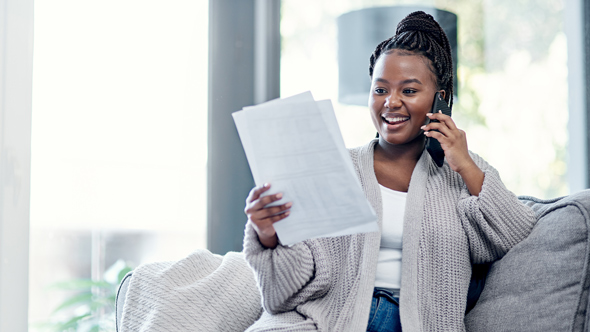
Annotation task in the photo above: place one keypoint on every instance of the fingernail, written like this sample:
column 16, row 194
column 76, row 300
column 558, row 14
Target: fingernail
column 439, row 111
column 428, row 114
column 279, row 195
column 287, row 213
column 288, row 205
column 266, row 185
column 423, row 127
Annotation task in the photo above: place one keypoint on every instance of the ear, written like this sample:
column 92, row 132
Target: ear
column 442, row 93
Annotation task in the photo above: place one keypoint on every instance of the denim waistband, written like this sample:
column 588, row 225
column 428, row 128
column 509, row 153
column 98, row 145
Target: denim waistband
column 392, row 295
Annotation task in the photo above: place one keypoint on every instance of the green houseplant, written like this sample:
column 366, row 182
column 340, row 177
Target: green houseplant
column 91, row 305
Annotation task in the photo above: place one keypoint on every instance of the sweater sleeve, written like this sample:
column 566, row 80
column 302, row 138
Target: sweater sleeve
column 286, row 276
column 495, row 220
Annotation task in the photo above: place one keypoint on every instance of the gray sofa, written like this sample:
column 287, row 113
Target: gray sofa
column 542, row 284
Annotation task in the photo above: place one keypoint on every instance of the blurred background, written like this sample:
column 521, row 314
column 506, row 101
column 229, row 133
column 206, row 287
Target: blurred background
column 123, row 94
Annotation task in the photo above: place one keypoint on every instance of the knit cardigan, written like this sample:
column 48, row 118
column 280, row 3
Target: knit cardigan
column 326, row 284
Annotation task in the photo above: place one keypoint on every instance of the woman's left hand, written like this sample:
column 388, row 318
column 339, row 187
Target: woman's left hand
column 454, row 143
column 452, row 140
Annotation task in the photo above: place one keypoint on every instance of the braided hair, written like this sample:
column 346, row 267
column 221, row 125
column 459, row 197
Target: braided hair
column 420, row 34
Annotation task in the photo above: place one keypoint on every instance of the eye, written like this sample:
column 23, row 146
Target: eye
column 380, row 91
column 409, row 91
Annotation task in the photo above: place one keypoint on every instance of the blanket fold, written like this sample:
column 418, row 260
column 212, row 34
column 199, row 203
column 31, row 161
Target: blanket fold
column 201, row 292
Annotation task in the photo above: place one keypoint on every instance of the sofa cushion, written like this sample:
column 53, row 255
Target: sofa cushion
column 542, row 283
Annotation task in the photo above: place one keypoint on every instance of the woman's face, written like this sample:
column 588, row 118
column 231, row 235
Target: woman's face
column 402, row 92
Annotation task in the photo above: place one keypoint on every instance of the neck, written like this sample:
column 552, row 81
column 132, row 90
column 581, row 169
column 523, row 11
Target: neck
column 404, row 153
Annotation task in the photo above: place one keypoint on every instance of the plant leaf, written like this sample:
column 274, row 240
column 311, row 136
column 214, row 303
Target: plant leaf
column 80, row 284
column 82, row 298
column 123, row 273
column 73, row 322
column 100, row 303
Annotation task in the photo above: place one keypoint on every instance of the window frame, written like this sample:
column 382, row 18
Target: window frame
column 16, row 85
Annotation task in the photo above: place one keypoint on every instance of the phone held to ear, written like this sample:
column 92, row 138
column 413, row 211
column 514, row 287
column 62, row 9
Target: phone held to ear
column 432, row 145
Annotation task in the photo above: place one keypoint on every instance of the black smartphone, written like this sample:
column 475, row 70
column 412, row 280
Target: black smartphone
column 432, row 145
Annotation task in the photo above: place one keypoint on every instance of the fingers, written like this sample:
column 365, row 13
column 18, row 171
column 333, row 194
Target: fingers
column 444, row 134
column 256, row 192
column 445, row 131
column 265, row 226
column 436, row 135
column 442, row 118
column 436, row 127
column 445, row 125
column 264, row 219
column 260, row 203
column 270, row 212
column 276, row 217
column 258, row 210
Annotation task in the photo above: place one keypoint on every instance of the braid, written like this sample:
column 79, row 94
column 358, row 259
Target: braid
column 419, row 33
column 376, row 53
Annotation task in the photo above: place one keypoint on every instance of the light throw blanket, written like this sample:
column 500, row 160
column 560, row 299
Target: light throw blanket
column 201, row 292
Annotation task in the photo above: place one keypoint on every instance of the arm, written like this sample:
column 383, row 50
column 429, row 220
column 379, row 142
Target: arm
column 286, row 276
column 473, row 177
column 492, row 216
column 495, row 220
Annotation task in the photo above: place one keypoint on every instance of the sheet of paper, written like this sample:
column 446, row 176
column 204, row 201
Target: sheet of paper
column 295, row 144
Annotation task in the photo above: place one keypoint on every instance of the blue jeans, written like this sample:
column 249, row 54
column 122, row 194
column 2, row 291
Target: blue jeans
column 384, row 316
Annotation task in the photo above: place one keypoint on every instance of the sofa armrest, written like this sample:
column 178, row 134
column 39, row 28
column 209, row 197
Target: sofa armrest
column 542, row 283
column 120, row 301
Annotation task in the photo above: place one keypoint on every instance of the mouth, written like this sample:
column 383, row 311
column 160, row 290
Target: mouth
column 395, row 119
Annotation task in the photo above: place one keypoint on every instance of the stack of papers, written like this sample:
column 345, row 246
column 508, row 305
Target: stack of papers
column 295, row 145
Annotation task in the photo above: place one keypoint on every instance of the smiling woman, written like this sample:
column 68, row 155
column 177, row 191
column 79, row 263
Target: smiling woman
column 447, row 216
column 399, row 102
column 401, row 95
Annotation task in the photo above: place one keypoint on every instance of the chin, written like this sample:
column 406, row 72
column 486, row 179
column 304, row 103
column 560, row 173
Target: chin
column 393, row 140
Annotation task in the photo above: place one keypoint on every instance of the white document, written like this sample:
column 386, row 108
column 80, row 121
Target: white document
column 295, row 145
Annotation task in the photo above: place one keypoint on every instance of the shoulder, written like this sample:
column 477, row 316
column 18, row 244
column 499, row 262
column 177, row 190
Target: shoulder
column 362, row 158
column 475, row 156
column 362, row 152
column 479, row 161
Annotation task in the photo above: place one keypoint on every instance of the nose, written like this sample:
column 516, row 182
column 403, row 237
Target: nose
column 392, row 101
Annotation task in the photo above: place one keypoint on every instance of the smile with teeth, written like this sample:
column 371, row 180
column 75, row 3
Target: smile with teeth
column 396, row 119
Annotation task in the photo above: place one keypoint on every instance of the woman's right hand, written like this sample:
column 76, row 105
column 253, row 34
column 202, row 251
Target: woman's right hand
column 263, row 217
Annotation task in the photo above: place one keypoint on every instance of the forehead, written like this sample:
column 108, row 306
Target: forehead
column 395, row 66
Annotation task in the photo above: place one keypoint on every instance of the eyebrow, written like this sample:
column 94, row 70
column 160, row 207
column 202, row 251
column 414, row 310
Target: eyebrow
column 411, row 80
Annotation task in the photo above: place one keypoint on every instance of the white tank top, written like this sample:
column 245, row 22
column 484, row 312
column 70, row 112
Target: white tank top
column 389, row 264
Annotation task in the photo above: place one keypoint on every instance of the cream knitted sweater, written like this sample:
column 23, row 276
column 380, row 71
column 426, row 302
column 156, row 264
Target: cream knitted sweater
column 326, row 284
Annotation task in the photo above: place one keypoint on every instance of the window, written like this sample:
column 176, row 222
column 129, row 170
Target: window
column 513, row 81
column 118, row 141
